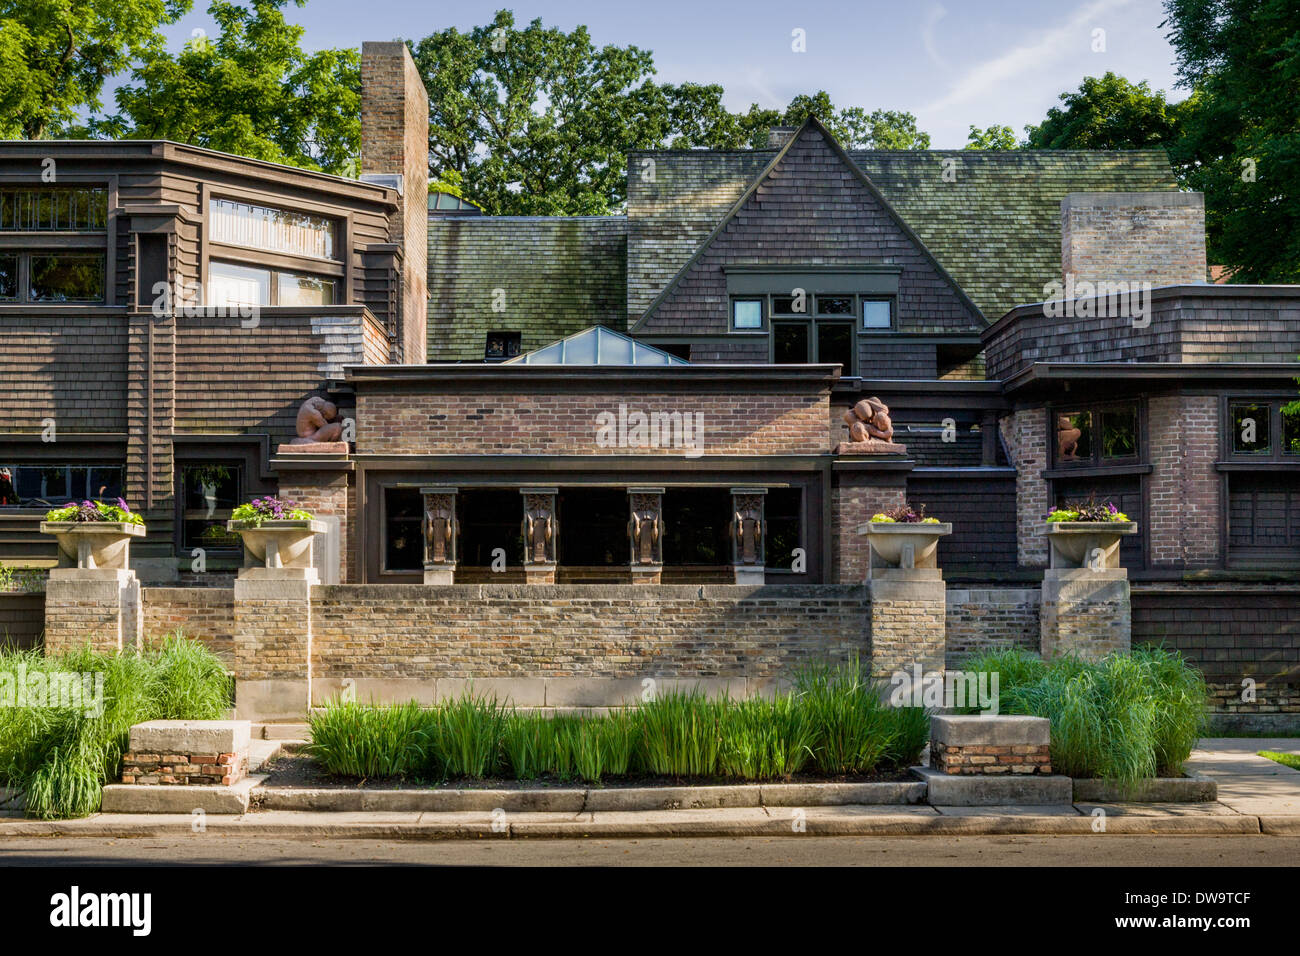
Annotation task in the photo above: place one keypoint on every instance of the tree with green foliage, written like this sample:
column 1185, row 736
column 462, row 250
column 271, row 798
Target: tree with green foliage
column 252, row 91
column 1108, row 112
column 536, row 121
column 995, row 137
column 1241, row 135
column 56, row 55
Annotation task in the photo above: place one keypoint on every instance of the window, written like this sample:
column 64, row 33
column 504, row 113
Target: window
column 783, row 511
column 490, row 519
column 501, row 346
column 209, row 492
column 231, row 285
column 835, row 305
column 1264, row 429
column 66, row 277
column 403, row 529
column 1095, row 436
column 53, row 209
column 697, row 527
column 790, row 343
column 272, row 230
column 1250, row 423
column 37, row 486
column 835, row 344
column 1119, row 429
column 593, row 527
column 1073, row 437
column 747, row 314
column 8, row 278
column 877, row 314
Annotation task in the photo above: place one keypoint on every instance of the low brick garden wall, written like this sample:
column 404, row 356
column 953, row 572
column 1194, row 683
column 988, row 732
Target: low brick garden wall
column 984, row 619
column 205, row 614
column 184, row 769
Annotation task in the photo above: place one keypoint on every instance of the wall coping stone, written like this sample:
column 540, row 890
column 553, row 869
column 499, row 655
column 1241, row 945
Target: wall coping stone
column 1002, row 730
column 191, row 737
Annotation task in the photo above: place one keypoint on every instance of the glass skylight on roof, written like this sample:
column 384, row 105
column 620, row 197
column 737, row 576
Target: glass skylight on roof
column 597, row 346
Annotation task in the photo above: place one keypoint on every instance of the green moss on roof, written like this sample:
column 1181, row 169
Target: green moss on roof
column 547, row 277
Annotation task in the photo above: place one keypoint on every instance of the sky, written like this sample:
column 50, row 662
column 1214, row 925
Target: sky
column 953, row 63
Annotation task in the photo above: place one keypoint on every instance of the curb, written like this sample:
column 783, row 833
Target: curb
column 579, row 800
column 678, row 824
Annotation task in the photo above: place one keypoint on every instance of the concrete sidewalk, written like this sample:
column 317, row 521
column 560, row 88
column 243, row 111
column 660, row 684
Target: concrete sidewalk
column 1256, row 796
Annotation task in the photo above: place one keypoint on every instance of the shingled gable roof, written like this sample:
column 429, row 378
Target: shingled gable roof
column 994, row 225
column 801, row 139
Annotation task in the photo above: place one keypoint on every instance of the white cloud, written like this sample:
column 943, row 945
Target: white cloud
column 932, row 18
column 994, row 75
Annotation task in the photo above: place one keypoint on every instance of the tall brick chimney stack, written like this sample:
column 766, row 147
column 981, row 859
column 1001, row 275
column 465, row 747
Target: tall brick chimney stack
column 1156, row 237
column 395, row 152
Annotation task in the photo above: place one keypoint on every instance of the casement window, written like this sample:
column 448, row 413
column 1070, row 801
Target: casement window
column 207, row 493
column 403, row 538
column 1094, row 436
column 747, row 315
column 501, row 346
column 1264, row 429
column 271, row 230
column 38, row 486
column 232, row 285
column 813, row 327
column 53, row 242
column 877, row 314
column 783, row 515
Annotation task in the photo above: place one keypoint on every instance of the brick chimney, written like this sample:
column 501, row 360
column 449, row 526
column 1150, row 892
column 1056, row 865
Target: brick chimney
column 778, row 136
column 1156, row 237
column 395, row 152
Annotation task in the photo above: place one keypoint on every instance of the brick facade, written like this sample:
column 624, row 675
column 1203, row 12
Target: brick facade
column 532, row 421
column 1186, row 507
column 186, row 769
column 1025, row 434
column 854, row 499
column 395, row 140
column 1147, row 237
column 204, row 614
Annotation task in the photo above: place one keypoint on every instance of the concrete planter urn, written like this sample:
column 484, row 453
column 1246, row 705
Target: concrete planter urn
column 1087, row 544
column 277, row 543
column 905, row 545
column 94, row 544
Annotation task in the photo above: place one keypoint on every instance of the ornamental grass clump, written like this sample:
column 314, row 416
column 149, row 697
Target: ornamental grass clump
column 1124, row 718
column 60, row 752
column 95, row 511
column 852, row 727
column 269, row 508
column 465, row 737
column 762, row 739
column 679, row 735
column 354, row 740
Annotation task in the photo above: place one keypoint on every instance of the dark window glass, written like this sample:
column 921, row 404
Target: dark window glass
column 1291, row 431
column 53, row 209
column 403, row 529
column 835, row 344
column 593, row 527
column 209, row 492
column 783, row 510
column 1250, row 429
column 681, row 351
column 696, row 526
column 501, row 345
column 234, row 285
column 789, row 305
column 1074, row 436
column 1119, row 432
column 8, row 277
column 489, row 520
column 790, row 343
column 67, row 277
column 835, row 305
column 34, row 486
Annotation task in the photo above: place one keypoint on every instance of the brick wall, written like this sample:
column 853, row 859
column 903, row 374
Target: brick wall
column 1025, row 435
column 325, row 494
column 1185, row 507
column 1152, row 237
column 854, row 500
column 489, row 631
column 1230, row 634
column 560, row 422
column 204, row 614
column 395, row 139
column 987, row 619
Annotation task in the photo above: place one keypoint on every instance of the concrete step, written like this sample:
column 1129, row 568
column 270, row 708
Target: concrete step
column 260, row 751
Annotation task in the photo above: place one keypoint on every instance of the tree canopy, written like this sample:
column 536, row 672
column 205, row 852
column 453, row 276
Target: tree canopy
column 1108, row 112
column 251, row 90
column 56, row 56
